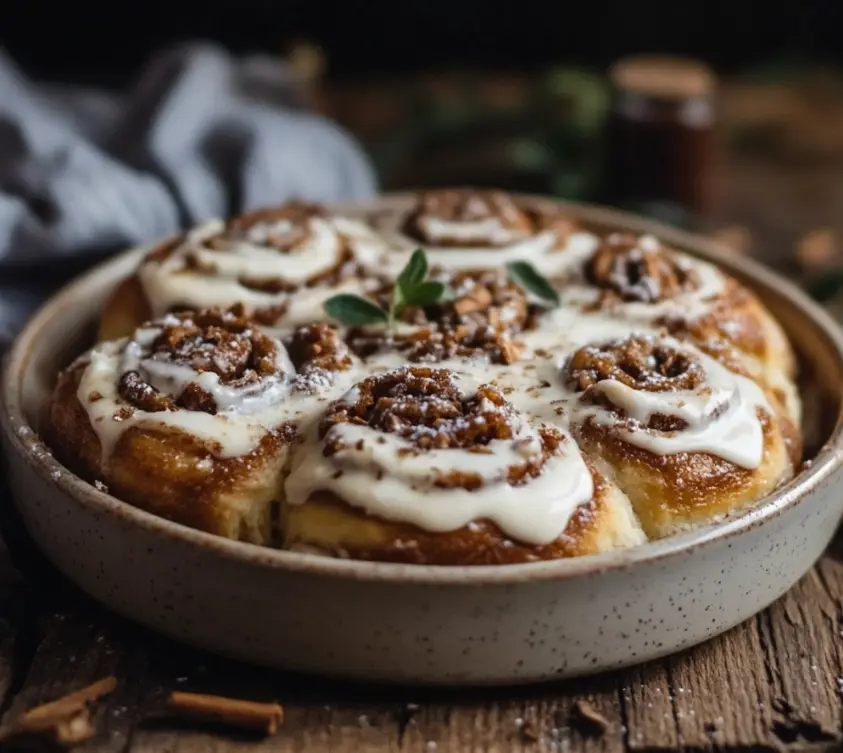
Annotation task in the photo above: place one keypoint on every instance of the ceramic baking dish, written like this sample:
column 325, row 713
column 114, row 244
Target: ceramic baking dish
column 421, row 624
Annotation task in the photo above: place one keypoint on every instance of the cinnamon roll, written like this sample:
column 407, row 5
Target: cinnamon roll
column 422, row 465
column 639, row 278
column 192, row 416
column 687, row 439
column 279, row 263
column 463, row 228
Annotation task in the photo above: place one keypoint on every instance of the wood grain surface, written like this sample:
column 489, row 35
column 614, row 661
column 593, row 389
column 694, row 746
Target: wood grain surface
column 773, row 683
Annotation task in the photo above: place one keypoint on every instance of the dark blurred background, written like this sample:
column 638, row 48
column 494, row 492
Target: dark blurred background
column 107, row 41
column 514, row 94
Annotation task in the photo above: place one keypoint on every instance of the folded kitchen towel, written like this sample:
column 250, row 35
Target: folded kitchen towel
column 85, row 173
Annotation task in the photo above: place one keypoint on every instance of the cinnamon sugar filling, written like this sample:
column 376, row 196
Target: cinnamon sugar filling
column 641, row 270
column 639, row 362
column 221, row 342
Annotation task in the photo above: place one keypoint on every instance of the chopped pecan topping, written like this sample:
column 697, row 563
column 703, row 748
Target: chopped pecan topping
column 318, row 346
column 639, row 362
column 221, row 342
column 639, row 269
column 481, row 298
column 425, row 407
column 465, row 342
column 481, row 319
column 133, row 389
column 485, row 299
column 270, row 315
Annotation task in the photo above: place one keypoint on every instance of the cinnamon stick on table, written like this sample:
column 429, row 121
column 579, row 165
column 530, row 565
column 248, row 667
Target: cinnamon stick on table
column 67, row 719
column 263, row 717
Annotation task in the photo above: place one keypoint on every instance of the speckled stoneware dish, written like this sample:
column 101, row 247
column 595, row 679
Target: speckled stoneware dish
column 421, row 624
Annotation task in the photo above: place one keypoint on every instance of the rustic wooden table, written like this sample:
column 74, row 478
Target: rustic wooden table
column 775, row 682
column 772, row 683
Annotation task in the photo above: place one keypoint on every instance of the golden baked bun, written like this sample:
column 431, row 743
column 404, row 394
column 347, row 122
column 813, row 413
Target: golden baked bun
column 191, row 418
column 462, row 229
column 687, row 439
column 124, row 311
column 280, row 264
column 423, row 466
column 642, row 281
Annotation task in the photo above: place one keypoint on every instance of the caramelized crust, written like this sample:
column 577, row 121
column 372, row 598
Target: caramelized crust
column 124, row 311
column 326, row 524
column 170, row 473
column 429, row 412
column 739, row 319
column 193, row 366
column 674, row 493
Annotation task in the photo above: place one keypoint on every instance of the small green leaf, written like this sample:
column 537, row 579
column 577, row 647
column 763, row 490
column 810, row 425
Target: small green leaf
column 524, row 274
column 397, row 302
column 447, row 294
column 353, row 310
column 414, row 273
column 426, row 293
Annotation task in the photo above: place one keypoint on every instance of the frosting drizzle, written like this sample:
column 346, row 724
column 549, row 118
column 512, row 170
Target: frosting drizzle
column 437, row 450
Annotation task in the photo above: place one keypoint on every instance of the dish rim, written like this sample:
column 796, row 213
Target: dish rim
column 30, row 449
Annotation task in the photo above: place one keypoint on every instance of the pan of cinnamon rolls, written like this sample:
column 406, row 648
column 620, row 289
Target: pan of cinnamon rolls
column 504, row 385
column 457, row 436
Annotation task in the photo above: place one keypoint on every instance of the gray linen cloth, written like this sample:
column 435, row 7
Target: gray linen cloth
column 85, row 173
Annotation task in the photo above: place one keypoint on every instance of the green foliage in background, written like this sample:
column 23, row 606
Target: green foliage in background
column 553, row 140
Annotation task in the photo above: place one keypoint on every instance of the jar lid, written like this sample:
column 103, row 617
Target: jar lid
column 671, row 78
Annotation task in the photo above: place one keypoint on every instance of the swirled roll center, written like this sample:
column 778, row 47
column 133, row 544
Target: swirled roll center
column 639, row 269
column 466, row 218
column 208, row 362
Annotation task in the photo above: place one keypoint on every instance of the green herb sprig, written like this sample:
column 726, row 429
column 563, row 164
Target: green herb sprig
column 528, row 277
column 411, row 289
